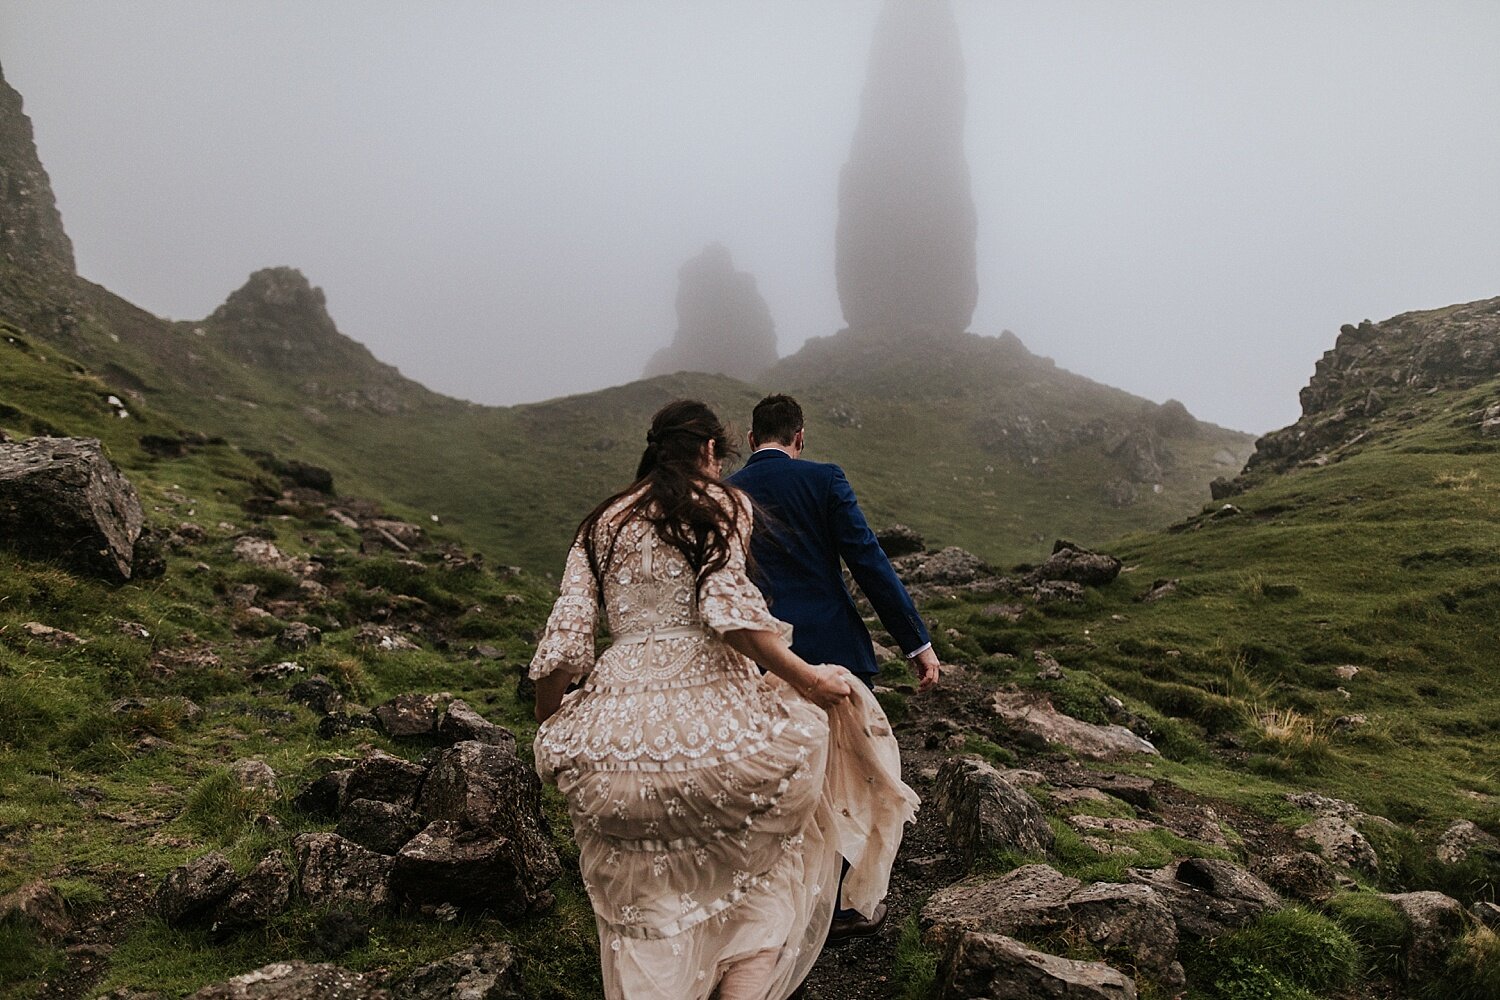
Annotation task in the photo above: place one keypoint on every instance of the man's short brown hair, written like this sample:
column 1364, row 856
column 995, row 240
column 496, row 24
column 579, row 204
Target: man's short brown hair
column 776, row 420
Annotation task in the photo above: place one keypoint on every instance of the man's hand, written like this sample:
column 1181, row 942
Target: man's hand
column 926, row 666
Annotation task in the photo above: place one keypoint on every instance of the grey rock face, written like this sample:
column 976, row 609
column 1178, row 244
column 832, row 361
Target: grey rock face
column 723, row 324
column 477, row 869
column 295, row 981
column 460, row 723
column 1209, row 897
column 1126, row 920
column 1463, row 840
column 338, row 872
column 1026, row 712
column 190, row 892
column 60, row 498
column 39, row 905
column 983, row 811
column 407, row 715
column 384, row 778
column 907, row 227
column 995, row 967
column 1337, row 839
column 1303, row 875
column 259, row 896
column 482, row 972
column 1434, row 921
column 31, row 230
column 380, row 826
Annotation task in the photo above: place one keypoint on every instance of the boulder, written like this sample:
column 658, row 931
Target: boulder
column 1130, row 921
column 460, row 723
column 996, row 967
column 383, row 638
column 984, row 812
column 951, row 566
column 259, row 896
column 61, row 499
column 263, row 552
column 1434, row 922
column 1077, row 565
column 1028, row 898
column 295, row 981
column 324, row 795
column 1337, row 839
column 255, row 776
column 1463, row 840
column 473, row 869
column 298, row 636
column 1486, row 913
column 485, row 971
column 407, row 715
column 191, row 892
column 1138, row 791
column 380, row 826
column 338, row 872
column 38, row 905
column 54, row 637
column 899, row 540
column 317, row 693
column 1208, row 897
column 1303, row 875
column 385, row 778
column 1035, row 715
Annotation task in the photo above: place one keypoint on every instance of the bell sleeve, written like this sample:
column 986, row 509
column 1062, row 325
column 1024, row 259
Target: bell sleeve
column 728, row 600
column 568, row 641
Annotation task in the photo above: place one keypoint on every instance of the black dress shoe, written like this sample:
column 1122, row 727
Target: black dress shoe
column 856, row 926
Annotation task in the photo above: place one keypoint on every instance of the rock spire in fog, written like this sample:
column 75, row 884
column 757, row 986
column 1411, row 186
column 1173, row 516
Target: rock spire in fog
column 906, row 254
column 723, row 324
column 32, row 238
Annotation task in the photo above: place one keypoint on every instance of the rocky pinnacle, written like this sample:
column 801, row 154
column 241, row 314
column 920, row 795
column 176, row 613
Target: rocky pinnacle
column 906, row 232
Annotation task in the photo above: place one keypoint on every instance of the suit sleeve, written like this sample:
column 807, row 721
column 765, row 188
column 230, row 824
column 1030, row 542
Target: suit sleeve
column 871, row 568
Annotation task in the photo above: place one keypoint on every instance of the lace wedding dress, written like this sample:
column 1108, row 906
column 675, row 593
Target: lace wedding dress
column 710, row 803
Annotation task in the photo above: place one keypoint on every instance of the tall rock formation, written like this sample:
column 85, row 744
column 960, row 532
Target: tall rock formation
column 723, row 324
column 906, row 257
column 32, row 239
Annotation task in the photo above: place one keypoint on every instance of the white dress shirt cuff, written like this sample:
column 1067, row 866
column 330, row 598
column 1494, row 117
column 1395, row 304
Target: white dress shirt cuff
column 919, row 651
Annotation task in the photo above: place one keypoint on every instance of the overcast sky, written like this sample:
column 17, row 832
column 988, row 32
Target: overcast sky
column 1181, row 198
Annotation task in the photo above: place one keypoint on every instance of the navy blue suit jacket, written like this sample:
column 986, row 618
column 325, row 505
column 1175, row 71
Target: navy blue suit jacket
column 816, row 521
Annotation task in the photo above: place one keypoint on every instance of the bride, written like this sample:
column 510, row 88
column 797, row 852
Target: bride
column 711, row 803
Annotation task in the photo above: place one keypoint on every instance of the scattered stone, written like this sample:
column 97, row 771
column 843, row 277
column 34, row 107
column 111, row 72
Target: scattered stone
column 407, row 715
column 1344, row 723
column 460, row 723
column 1075, row 564
column 983, row 811
column 995, row 967
column 1158, row 590
column 1003, row 612
column 276, row 671
column 337, row 724
column 298, row 636
column 259, row 896
column 1034, row 715
column 1110, row 824
column 1032, row 897
column 184, row 711
column 1073, row 796
column 1462, row 840
column 1050, row 670
column 383, row 638
column 1434, row 920
column 318, row 694
column 54, row 637
column 474, row 869
column 485, row 971
column 384, row 778
column 488, row 652
column 1303, row 875
column 190, row 893
column 60, row 498
column 1138, row 791
column 39, row 905
column 1486, row 913
column 264, row 553
column 379, row 826
column 1345, row 672
column 295, row 981
column 1209, row 897
column 339, row 872
column 407, row 535
column 256, row 776
column 951, row 566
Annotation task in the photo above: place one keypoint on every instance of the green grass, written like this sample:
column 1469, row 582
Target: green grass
column 915, row 968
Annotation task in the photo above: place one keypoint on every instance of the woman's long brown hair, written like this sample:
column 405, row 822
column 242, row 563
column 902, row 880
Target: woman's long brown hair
column 676, row 498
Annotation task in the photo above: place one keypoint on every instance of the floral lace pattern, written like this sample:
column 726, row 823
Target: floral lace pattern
column 707, row 801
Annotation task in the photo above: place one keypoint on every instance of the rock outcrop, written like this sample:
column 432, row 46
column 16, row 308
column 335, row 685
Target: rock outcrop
column 986, row 813
column 295, row 981
column 60, row 498
column 723, row 324
column 996, row 967
column 32, row 238
column 907, row 226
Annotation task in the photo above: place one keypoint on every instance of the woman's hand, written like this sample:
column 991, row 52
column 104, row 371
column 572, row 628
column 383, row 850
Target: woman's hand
column 825, row 685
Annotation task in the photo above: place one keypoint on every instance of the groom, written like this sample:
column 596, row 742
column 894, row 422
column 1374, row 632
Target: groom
column 813, row 522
